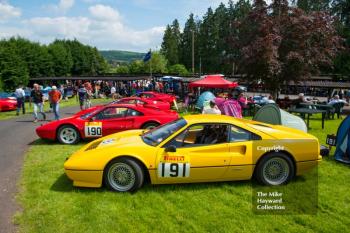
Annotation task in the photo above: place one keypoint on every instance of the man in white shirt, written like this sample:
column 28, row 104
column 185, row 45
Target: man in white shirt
column 211, row 109
column 336, row 99
column 20, row 96
column 113, row 92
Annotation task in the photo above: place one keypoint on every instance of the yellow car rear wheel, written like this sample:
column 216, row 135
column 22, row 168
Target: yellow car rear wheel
column 275, row 169
column 123, row 175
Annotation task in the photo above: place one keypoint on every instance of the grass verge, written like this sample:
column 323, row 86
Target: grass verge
column 51, row 204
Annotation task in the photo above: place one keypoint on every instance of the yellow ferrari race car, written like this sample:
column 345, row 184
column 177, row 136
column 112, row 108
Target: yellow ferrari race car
column 197, row 148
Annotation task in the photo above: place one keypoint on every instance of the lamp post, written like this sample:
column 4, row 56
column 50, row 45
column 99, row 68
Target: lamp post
column 150, row 65
column 192, row 52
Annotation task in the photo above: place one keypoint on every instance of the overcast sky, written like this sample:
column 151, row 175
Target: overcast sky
column 134, row 25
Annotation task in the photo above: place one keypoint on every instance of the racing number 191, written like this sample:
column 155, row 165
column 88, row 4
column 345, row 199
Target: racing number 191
column 174, row 170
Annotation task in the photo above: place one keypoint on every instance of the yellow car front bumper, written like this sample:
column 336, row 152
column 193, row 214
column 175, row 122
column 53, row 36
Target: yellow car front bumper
column 87, row 178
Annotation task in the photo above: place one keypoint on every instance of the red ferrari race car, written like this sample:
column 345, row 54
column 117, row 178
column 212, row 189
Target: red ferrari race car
column 152, row 95
column 157, row 104
column 104, row 120
column 8, row 104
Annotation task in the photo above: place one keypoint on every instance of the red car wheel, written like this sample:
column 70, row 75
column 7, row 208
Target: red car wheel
column 68, row 134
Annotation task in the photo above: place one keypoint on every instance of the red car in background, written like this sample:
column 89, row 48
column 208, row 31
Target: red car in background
column 157, row 104
column 104, row 120
column 152, row 95
column 8, row 104
column 148, row 103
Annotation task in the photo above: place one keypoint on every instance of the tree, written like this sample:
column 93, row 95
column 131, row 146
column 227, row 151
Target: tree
column 46, row 64
column 136, row 67
column 313, row 5
column 281, row 43
column 175, row 28
column 186, row 43
column 208, row 38
column 169, row 49
column 178, row 69
column 222, row 23
column 80, row 57
column 122, row 69
column 36, row 57
column 61, row 57
column 158, row 63
column 236, row 12
column 13, row 69
column 101, row 63
column 341, row 8
column 21, row 58
column 97, row 64
column 171, row 42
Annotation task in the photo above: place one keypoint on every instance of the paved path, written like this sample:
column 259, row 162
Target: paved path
column 15, row 136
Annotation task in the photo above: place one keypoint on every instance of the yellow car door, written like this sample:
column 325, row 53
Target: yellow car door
column 241, row 150
column 198, row 154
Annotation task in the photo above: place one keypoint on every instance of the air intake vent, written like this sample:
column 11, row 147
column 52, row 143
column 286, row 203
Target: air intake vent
column 94, row 145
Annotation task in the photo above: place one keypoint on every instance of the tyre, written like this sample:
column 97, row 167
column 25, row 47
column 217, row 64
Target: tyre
column 150, row 125
column 275, row 169
column 123, row 175
column 68, row 134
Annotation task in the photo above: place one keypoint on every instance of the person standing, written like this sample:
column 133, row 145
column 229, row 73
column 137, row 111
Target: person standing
column 211, row 109
column 161, row 87
column 63, row 90
column 82, row 95
column 113, row 92
column 89, row 89
column 20, row 96
column 55, row 98
column 337, row 99
column 37, row 97
column 242, row 100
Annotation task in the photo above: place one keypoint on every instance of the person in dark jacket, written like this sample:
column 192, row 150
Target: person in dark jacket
column 82, row 95
column 36, row 96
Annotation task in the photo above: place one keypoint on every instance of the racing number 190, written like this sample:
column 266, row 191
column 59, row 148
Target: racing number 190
column 94, row 131
column 174, row 170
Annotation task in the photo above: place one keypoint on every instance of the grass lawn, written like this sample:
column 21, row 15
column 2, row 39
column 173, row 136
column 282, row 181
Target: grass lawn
column 51, row 204
column 29, row 109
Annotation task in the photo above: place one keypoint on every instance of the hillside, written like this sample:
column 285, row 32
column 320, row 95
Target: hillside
column 121, row 56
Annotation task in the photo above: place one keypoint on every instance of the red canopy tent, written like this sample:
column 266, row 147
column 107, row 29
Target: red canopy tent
column 213, row 81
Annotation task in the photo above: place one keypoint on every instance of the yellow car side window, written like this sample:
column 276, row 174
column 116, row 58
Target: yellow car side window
column 239, row 135
column 201, row 134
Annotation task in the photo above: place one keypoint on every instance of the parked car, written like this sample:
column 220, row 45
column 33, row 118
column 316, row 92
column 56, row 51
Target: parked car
column 8, row 104
column 146, row 102
column 195, row 148
column 104, row 120
column 4, row 95
column 152, row 95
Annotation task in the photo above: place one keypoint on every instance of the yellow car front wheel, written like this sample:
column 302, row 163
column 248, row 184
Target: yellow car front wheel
column 123, row 175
